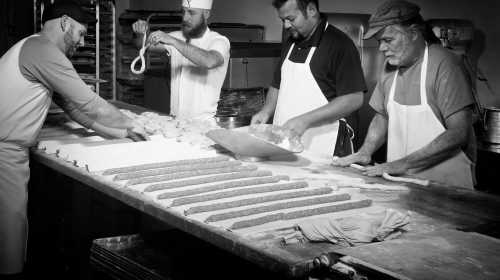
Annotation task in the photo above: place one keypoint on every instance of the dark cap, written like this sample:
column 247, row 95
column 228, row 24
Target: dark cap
column 69, row 8
column 389, row 13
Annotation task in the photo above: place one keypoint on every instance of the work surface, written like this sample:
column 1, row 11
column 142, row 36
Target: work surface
column 436, row 246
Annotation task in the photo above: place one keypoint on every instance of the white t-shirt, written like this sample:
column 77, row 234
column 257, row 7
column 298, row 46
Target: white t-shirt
column 194, row 91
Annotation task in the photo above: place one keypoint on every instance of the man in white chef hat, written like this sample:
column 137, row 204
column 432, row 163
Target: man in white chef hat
column 199, row 60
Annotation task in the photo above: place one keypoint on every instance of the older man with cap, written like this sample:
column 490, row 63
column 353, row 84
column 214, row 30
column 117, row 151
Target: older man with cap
column 31, row 73
column 198, row 57
column 318, row 82
column 423, row 103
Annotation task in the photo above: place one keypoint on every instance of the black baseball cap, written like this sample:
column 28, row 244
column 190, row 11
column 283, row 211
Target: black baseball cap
column 70, row 9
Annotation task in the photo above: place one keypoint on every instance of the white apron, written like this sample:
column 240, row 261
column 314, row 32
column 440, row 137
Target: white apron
column 14, row 176
column 411, row 127
column 299, row 93
column 23, row 108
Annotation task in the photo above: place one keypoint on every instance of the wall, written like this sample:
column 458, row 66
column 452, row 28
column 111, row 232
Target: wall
column 483, row 14
column 242, row 11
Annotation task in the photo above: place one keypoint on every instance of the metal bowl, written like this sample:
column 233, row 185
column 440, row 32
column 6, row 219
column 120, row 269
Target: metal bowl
column 230, row 122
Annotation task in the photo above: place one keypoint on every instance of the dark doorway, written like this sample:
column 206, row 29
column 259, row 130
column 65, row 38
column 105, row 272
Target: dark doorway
column 16, row 22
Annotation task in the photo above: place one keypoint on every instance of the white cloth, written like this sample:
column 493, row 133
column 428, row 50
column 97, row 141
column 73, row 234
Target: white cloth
column 194, row 91
column 14, row 176
column 299, row 93
column 411, row 127
column 197, row 4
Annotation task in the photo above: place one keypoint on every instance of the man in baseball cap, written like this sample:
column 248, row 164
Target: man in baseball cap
column 198, row 60
column 73, row 18
column 423, row 103
column 390, row 13
column 33, row 72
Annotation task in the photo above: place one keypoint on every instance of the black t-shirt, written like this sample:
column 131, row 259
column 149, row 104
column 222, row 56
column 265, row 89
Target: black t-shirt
column 335, row 65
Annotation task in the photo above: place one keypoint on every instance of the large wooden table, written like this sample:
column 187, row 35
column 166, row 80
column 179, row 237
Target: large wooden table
column 438, row 214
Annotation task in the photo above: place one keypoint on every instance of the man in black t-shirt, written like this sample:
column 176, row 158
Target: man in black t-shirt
column 318, row 82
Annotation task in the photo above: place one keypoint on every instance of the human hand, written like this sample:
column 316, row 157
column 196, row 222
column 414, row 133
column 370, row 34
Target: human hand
column 393, row 168
column 161, row 37
column 297, row 125
column 140, row 26
column 358, row 157
column 137, row 132
column 260, row 118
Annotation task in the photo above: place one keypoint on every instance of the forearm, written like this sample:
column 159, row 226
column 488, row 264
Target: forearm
column 202, row 58
column 457, row 134
column 376, row 136
column 106, row 114
column 336, row 109
column 139, row 37
column 75, row 114
column 100, row 129
column 445, row 145
column 110, row 116
column 84, row 120
column 271, row 101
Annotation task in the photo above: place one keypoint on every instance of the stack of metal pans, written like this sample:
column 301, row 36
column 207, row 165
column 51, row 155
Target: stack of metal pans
column 125, row 257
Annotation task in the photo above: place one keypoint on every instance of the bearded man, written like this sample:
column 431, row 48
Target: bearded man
column 198, row 57
column 34, row 72
column 423, row 103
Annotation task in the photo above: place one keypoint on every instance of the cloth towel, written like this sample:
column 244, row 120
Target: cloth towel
column 354, row 230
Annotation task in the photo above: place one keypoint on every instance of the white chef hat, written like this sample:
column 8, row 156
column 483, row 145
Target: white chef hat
column 198, row 4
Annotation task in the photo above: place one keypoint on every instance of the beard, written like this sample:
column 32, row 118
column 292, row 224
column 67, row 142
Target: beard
column 195, row 31
column 405, row 57
column 294, row 33
column 296, row 36
column 71, row 46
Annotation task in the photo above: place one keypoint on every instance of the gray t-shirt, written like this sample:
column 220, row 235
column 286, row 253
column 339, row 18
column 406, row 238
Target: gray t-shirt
column 30, row 72
column 40, row 61
column 448, row 89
